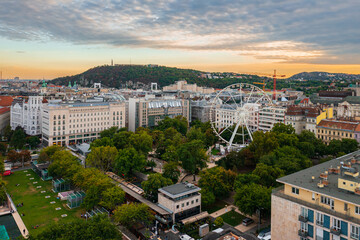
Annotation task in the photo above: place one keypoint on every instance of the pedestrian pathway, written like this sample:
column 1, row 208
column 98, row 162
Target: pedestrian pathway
column 20, row 224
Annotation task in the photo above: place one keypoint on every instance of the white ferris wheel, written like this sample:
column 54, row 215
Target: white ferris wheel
column 234, row 114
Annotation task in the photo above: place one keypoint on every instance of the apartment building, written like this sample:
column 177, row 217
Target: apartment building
column 182, row 200
column 329, row 129
column 184, row 86
column 269, row 116
column 66, row 123
column 26, row 113
column 349, row 108
column 148, row 112
column 306, row 118
column 200, row 110
column 321, row 202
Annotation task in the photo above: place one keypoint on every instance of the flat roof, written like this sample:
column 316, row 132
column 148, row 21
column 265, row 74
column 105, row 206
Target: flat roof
column 303, row 179
column 179, row 189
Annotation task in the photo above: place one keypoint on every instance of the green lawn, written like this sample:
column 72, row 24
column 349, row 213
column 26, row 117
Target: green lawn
column 219, row 204
column 37, row 208
column 233, row 218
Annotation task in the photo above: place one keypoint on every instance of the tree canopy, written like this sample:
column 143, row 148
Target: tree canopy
column 151, row 186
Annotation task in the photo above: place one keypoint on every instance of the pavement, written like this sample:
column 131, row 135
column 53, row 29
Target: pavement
column 20, row 224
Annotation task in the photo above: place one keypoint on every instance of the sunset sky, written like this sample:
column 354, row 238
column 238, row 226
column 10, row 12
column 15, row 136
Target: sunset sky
column 51, row 38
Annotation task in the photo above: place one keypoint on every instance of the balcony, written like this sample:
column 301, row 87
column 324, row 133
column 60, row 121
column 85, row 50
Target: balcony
column 319, row 223
column 319, row 238
column 335, row 231
column 303, row 218
column 354, row 236
column 303, row 233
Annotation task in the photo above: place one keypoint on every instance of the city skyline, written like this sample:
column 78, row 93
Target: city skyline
column 48, row 39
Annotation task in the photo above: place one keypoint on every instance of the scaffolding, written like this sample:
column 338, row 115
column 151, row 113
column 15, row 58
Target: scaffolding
column 60, row 185
column 75, row 199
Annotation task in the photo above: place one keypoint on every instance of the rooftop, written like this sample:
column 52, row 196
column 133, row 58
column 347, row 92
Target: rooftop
column 340, row 124
column 179, row 189
column 303, row 179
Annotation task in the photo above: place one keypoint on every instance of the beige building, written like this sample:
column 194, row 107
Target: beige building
column 321, row 202
column 4, row 118
column 145, row 112
column 184, row 86
column 329, row 129
column 182, row 200
column 71, row 123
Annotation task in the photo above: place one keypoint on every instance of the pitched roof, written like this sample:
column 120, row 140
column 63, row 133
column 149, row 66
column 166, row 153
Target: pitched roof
column 339, row 124
column 305, row 111
column 6, row 101
column 4, row 110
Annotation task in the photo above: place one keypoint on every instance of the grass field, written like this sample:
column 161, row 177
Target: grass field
column 37, row 208
column 232, row 218
column 219, row 204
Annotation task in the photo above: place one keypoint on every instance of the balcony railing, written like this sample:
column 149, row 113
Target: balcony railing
column 354, row 236
column 319, row 238
column 335, row 231
column 319, row 223
column 303, row 218
column 303, row 233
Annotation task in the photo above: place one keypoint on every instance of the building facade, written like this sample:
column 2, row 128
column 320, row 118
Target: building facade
column 306, row 118
column 26, row 113
column 321, row 202
column 184, row 86
column 269, row 116
column 149, row 112
column 183, row 200
column 74, row 123
column 200, row 110
column 329, row 129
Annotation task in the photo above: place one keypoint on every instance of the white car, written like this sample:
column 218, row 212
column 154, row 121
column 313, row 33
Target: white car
column 186, row 237
column 264, row 236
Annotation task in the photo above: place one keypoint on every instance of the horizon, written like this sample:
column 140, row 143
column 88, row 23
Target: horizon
column 49, row 39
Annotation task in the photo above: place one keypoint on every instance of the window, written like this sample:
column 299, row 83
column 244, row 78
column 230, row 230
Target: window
column 304, row 212
column 345, row 206
column 354, row 232
column 295, row 190
column 326, row 200
column 313, row 196
column 336, row 224
column 197, row 200
column 182, row 205
column 319, row 219
column 357, row 209
column 187, row 204
column 177, row 206
column 192, row 202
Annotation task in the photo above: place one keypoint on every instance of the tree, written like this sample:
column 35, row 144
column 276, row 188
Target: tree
column 142, row 142
column 129, row 160
column 102, row 158
column 43, row 157
column 112, row 197
column 285, row 139
column 171, row 171
column 179, row 123
column 121, row 139
column 349, row 145
column 18, row 139
column 251, row 197
column 263, row 143
column 109, row 132
column 245, row 179
column 102, row 142
column 64, row 165
column 195, row 133
column 3, row 147
column 98, row 227
column 50, row 151
column 24, row 156
column 92, row 198
column 13, row 156
column 170, row 154
column 282, row 128
column 219, row 222
column 8, row 132
column 218, row 181
column 207, row 197
column 130, row 214
column 267, row 174
column 151, row 186
column 192, row 156
column 33, row 141
column 3, row 196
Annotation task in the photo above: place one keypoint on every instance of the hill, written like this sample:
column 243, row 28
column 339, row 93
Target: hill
column 321, row 76
column 121, row 76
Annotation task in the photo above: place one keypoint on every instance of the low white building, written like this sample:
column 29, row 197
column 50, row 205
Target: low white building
column 26, row 113
column 182, row 200
column 269, row 116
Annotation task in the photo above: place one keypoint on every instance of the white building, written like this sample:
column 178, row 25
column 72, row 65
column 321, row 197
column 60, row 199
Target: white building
column 269, row 116
column 26, row 113
column 145, row 112
column 184, row 86
column 78, row 122
column 183, row 200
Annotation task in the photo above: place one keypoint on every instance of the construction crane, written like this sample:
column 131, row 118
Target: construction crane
column 274, row 76
column 261, row 83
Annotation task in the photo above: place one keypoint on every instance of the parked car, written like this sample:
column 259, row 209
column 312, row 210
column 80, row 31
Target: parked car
column 186, row 237
column 247, row 221
column 264, row 234
column 7, row 173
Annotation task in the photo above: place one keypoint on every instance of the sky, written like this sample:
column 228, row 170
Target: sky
column 52, row 38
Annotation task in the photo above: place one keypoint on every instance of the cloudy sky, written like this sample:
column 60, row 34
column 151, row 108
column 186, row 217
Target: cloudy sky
column 49, row 38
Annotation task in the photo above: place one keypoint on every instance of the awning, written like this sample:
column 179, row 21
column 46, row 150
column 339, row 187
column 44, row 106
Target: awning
column 195, row 218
